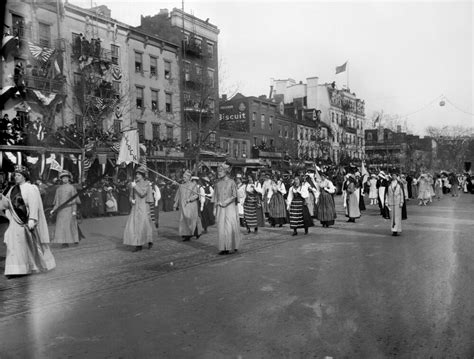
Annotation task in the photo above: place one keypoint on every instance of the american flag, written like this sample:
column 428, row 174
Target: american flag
column 87, row 164
column 99, row 103
column 116, row 147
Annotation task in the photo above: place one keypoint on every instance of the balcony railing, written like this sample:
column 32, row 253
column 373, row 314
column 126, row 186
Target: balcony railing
column 43, row 83
column 192, row 48
column 91, row 49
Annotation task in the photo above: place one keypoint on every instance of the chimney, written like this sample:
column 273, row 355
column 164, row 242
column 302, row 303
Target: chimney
column 312, row 92
column 164, row 12
column 399, row 128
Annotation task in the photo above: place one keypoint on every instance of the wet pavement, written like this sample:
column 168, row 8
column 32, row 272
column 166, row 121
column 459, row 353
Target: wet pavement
column 351, row 291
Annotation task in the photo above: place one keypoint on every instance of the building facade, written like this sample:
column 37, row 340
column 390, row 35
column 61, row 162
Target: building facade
column 198, row 75
column 387, row 149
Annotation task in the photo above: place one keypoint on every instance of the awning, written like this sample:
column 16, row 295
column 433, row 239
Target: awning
column 10, row 44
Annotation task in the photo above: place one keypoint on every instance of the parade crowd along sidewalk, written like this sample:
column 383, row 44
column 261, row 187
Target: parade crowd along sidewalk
column 230, row 201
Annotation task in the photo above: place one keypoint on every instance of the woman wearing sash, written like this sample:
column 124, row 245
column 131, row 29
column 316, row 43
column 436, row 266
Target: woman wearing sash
column 27, row 236
column 396, row 204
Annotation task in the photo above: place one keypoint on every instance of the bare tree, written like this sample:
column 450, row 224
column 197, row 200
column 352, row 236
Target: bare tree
column 452, row 146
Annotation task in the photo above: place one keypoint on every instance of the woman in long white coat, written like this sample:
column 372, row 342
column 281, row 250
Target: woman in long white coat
column 395, row 200
column 27, row 236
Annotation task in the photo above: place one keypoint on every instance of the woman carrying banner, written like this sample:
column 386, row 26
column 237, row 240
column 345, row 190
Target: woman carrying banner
column 27, row 236
column 139, row 229
column 66, row 231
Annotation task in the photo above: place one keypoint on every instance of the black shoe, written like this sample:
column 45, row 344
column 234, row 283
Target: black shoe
column 65, row 245
column 248, row 230
column 150, row 244
column 295, row 233
column 186, row 238
column 223, row 252
column 306, row 231
column 281, row 225
column 137, row 248
column 394, row 234
column 256, row 229
column 197, row 237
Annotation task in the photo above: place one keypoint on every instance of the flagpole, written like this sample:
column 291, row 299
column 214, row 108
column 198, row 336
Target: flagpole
column 347, row 75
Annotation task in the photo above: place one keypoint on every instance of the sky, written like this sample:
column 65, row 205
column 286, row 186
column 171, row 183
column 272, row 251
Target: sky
column 404, row 57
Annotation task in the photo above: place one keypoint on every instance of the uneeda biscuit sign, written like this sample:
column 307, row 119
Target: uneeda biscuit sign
column 234, row 117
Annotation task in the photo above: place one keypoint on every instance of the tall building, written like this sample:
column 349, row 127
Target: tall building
column 340, row 113
column 254, row 131
column 198, row 76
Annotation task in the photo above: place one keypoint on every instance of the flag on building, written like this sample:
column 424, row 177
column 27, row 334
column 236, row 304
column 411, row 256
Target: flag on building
column 129, row 147
column 341, row 68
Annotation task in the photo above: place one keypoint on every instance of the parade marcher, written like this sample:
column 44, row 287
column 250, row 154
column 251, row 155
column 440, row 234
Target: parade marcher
column 373, row 195
column 382, row 184
column 404, row 182
column 225, row 211
column 438, row 187
column 352, row 200
column 66, row 230
column 207, row 208
column 360, row 191
column 276, row 203
column 187, row 200
column 297, row 207
column 155, row 210
column 27, row 236
column 453, row 181
column 252, row 207
column 139, row 230
column 111, row 204
column 424, row 192
column 431, row 187
column 395, row 199
column 240, row 198
column 310, row 184
column 414, row 188
column 325, row 208
column 265, row 190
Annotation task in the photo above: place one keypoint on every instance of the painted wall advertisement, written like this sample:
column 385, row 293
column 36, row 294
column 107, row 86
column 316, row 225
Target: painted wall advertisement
column 234, row 117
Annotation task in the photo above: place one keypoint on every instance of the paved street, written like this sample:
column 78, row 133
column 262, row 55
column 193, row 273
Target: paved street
column 349, row 291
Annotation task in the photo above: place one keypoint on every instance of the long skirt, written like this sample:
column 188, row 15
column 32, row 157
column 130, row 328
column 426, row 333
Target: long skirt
column 207, row 215
column 277, row 209
column 396, row 220
column 326, row 209
column 310, row 204
column 228, row 230
column 251, row 206
column 66, row 230
column 299, row 214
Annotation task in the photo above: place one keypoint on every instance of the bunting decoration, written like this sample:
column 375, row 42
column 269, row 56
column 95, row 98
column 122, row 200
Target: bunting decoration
column 87, row 164
column 11, row 157
column 116, row 147
column 42, row 54
column 45, row 99
column 116, row 73
column 32, row 160
column 55, row 166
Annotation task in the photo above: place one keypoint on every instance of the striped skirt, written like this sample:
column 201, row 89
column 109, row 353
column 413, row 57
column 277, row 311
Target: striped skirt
column 250, row 211
column 277, row 209
column 299, row 214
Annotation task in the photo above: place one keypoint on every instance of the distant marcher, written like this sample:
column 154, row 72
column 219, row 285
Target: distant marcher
column 351, row 199
column 66, row 231
column 326, row 208
column 297, row 207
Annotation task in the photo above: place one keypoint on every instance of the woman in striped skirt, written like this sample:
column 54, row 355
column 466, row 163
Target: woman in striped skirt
column 296, row 205
column 252, row 205
column 276, row 203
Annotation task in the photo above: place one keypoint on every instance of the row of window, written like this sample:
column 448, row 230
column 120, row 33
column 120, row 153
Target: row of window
column 262, row 121
column 351, row 122
column 19, row 29
column 140, row 99
column 156, row 131
column 236, row 148
column 139, row 67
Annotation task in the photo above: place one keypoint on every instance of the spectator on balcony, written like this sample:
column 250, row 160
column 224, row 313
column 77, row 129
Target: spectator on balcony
column 78, row 44
column 85, row 48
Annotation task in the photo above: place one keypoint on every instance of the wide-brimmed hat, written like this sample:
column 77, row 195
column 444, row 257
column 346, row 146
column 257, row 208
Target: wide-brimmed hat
column 142, row 170
column 194, row 178
column 238, row 175
column 187, row 173
column 65, row 173
column 205, row 178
